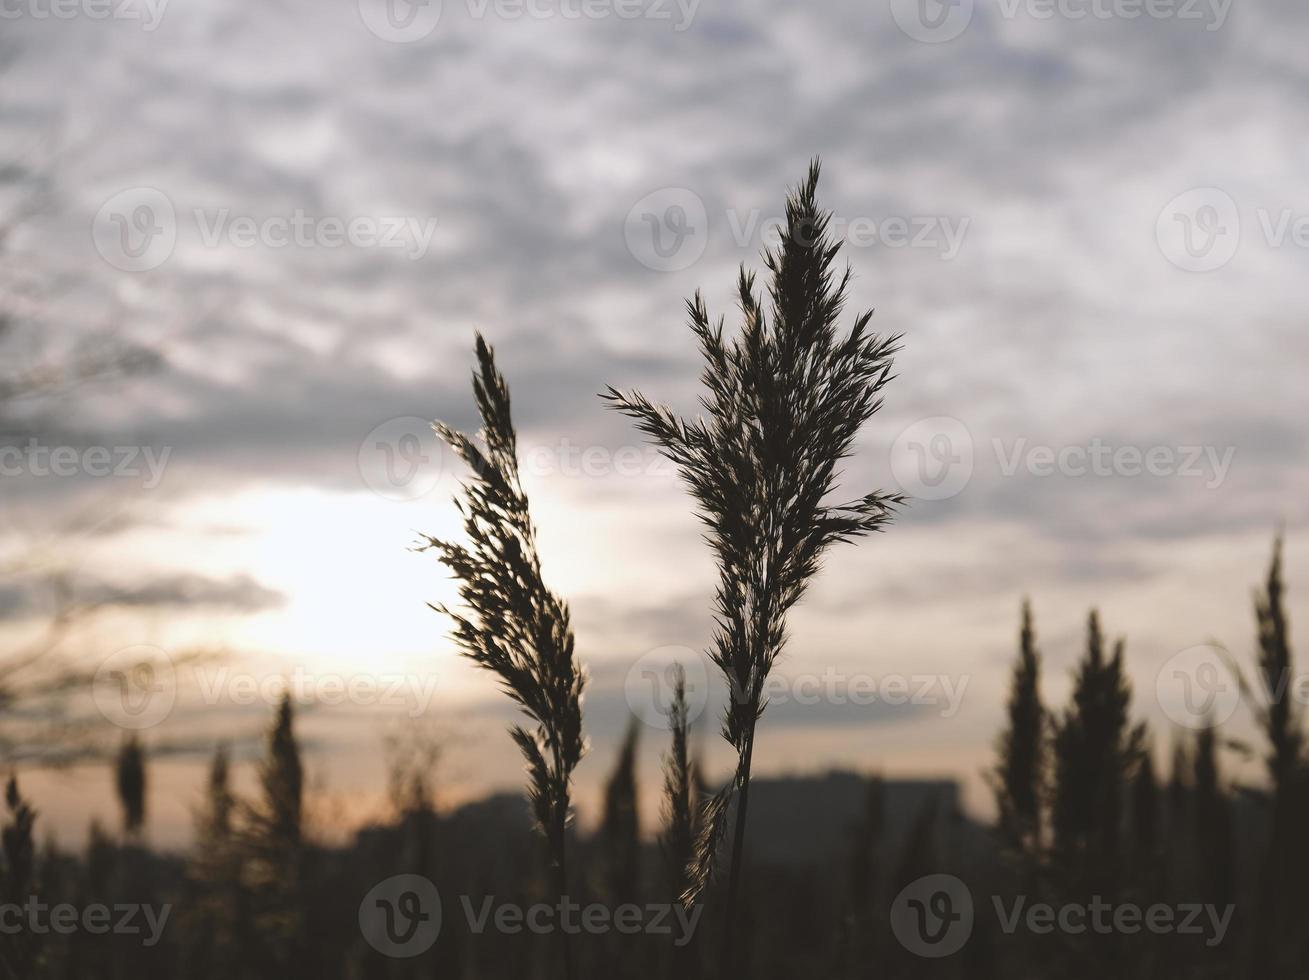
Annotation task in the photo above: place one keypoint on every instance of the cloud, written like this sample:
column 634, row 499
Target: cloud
column 237, row 595
column 1059, row 321
column 282, row 359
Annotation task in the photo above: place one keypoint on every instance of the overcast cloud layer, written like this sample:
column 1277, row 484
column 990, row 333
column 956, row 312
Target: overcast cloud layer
column 1016, row 204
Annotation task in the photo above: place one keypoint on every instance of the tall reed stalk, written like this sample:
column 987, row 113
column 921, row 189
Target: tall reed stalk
column 680, row 816
column 785, row 400
column 516, row 627
column 680, row 825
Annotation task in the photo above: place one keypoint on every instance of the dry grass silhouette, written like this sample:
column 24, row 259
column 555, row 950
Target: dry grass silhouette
column 517, row 628
column 784, row 402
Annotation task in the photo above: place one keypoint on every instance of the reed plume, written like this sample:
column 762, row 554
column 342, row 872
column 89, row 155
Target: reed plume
column 1281, row 895
column 1280, row 719
column 785, row 400
column 516, row 628
column 680, row 792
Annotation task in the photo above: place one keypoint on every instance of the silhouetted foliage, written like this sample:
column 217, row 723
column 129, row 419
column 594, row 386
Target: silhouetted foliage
column 620, row 829
column 272, row 842
column 681, row 793
column 19, row 950
column 1281, row 718
column 215, row 823
column 1096, row 750
column 1283, row 904
column 218, row 915
column 130, row 780
column 519, row 629
column 860, row 934
column 1145, row 810
column 785, row 400
column 1019, row 777
column 1215, row 853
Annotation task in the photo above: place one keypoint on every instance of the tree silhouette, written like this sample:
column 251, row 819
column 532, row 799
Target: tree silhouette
column 215, row 822
column 218, row 920
column 273, row 846
column 620, row 830
column 282, row 778
column 1215, row 855
column 1019, row 777
column 130, row 780
column 1145, row 810
column 1095, row 752
column 20, row 949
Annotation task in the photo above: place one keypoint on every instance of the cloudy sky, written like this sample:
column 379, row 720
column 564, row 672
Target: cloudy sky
column 1090, row 225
